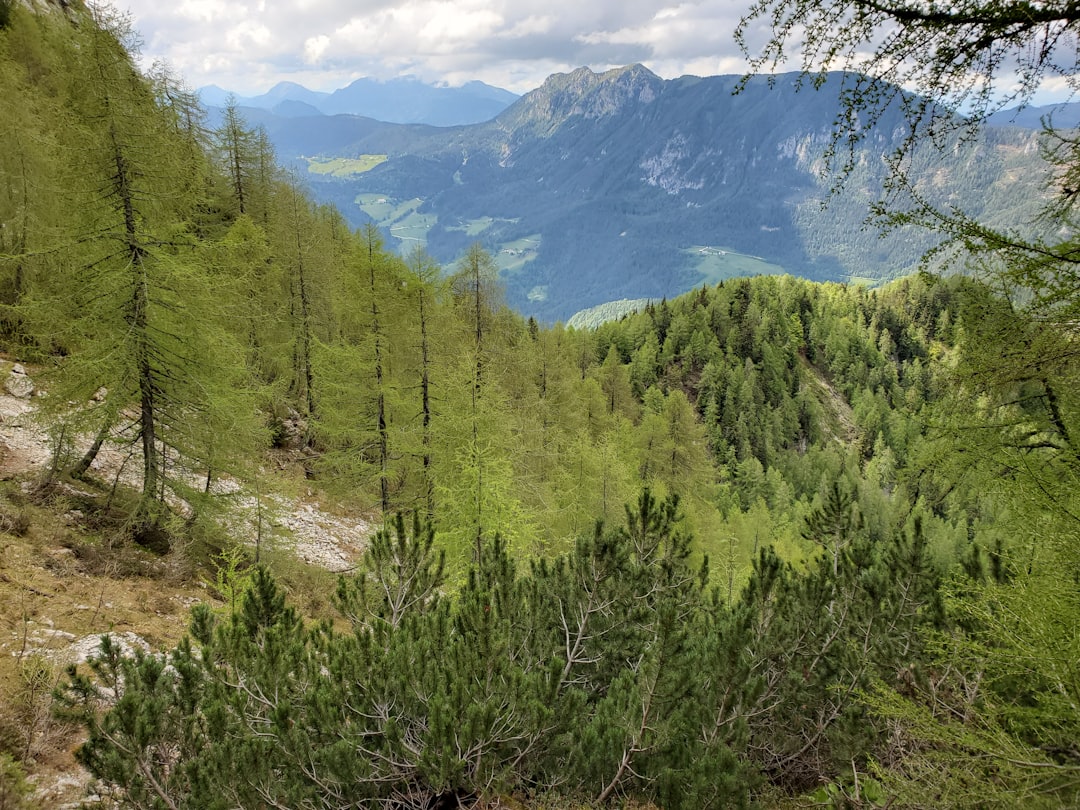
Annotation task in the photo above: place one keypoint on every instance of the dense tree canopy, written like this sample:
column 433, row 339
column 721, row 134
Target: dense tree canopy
column 1016, row 446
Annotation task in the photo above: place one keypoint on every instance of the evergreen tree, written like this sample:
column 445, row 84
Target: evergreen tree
column 404, row 571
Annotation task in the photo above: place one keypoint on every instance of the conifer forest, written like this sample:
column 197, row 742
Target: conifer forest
column 772, row 543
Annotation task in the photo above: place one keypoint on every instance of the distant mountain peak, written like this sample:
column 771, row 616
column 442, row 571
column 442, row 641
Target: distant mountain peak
column 285, row 86
column 582, row 93
column 584, row 81
column 404, row 99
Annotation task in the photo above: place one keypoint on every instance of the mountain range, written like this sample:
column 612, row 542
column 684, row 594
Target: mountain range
column 403, row 100
column 595, row 187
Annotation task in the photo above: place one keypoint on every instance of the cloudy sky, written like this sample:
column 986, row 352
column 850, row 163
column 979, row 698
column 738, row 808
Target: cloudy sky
column 247, row 46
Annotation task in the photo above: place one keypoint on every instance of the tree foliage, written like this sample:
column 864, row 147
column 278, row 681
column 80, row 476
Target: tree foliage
column 607, row 672
column 987, row 729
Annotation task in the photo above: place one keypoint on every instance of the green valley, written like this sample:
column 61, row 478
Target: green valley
column 344, row 167
column 626, row 177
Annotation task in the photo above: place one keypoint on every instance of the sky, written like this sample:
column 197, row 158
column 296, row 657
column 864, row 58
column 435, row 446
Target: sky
column 247, row 46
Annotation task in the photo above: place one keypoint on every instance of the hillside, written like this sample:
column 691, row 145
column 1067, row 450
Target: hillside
column 64, row 581
column 596, row 187
column 768, row 542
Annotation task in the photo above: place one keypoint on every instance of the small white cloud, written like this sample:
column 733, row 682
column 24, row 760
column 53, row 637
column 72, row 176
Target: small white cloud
column 315, row 47
column 250, row 33
column 450, row 23
column 201, row 11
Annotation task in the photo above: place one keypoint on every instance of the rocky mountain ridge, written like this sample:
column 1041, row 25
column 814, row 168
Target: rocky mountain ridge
column 600, row 186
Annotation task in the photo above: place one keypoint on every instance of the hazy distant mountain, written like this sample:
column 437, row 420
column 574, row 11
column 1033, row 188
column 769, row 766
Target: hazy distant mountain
column 1064, row 116
column 405, row 101
column 213, row 96
column 284, row 92
column 290, row 108
column 596, row 187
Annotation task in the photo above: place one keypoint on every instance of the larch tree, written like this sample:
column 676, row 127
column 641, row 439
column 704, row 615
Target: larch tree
column 236, row 145
column 474, row 288
column 358, row 381
column 132, row 310
column 27, row 177
column 423, row 287
column 475, row 487
column 299, row 237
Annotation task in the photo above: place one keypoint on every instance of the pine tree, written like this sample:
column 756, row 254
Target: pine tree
column 404, row 574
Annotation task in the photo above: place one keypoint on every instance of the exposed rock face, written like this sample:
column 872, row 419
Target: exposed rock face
column 18, row 383
column 580, row 93
column 83, row 649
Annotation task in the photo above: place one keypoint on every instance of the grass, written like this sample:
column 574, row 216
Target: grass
column 402, row 217
column 512, row 257
column 63, row 578
column 344, row 167
column 474, row 227
column 413, row 227
column 719, row 263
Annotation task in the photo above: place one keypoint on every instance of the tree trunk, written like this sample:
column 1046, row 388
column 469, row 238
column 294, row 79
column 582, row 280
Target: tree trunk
column 425, row 404
column 380, row 402
column 84, row 463
column 137, row 318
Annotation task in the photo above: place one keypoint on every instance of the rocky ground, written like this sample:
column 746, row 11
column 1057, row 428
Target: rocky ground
column 59, row 592
column 300, row 523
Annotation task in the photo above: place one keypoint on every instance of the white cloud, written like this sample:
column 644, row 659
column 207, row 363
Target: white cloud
column 248, row 34
column 315, row 47
column 201, row 11
column 249, row 45
column 511, row 43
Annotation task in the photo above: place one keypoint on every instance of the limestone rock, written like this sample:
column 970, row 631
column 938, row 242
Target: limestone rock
column 18, row 383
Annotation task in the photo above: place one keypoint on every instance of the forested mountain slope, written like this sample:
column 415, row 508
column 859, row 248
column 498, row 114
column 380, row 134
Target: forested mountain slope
column 762, row 537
